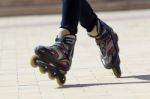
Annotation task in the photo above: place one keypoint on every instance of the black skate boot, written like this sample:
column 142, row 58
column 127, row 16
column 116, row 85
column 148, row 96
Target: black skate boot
column 56, row 59
column 107, row 41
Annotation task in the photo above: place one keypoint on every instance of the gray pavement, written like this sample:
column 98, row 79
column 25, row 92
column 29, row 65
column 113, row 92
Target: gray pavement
column 87, row 78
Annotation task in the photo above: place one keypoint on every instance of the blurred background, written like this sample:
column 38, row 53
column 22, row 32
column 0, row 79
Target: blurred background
column 34, row 7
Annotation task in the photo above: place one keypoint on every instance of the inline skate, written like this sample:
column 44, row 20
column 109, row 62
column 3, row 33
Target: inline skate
column 107, row 41
column 56, row 59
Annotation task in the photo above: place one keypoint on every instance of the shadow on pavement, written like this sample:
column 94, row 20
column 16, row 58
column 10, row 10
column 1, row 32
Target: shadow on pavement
column 142, row 77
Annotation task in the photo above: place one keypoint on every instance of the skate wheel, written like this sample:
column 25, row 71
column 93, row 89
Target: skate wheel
column 51, row 75
column 33, row 61
column 116, row 68
column 117, row 72
column 61, row 80
column 42, row 70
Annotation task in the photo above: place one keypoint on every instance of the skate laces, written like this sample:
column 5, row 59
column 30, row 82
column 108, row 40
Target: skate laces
column 64, row 45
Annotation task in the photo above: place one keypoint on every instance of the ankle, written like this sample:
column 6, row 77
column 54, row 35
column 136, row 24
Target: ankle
column 95, row 31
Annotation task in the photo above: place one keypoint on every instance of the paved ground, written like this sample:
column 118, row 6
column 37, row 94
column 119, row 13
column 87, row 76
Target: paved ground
column 87, row 78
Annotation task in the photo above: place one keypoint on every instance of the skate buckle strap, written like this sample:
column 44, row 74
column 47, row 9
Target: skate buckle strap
column 70, row 39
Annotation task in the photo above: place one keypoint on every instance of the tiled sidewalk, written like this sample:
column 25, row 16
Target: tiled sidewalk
column 87, row 79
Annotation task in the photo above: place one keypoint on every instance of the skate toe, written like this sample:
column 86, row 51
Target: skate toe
column 40, row 50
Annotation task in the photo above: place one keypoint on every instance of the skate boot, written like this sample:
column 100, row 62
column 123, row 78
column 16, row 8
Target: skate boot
column 107, row 41
column 56, row 59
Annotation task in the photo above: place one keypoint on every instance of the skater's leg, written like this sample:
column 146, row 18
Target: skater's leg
column 70, row 15
column 90, row 21
column 88, row 18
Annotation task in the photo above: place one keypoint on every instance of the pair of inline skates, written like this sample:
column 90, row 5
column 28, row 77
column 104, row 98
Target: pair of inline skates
column 56, row 59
